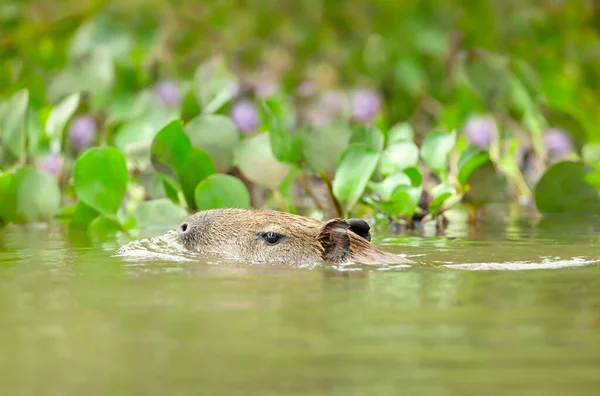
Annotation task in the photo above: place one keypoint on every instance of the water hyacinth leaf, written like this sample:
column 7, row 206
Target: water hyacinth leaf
column 13, row 123
column 486, row 184
column 34, row 132
column 32, row 196
column 221, row 191
column 100, row 179
column 82, row 216
column 386, row 187
column 171, row 187
column 415, row 176
column 217, row 135
column 398, row 156
column 403, row 202
column 286, row 144
column 160, row 212
column 357, row 164
column 440, row 194
column 435, row 151
column 170, row 149
column 196, row 168
column 103, row 226
column 369, row 135
column 257, row 163
column 401, row 132
column 59, row 117
column 563, row 189
column 593, row 179
column 324, row 145
column 470, row 159
column 5, row 180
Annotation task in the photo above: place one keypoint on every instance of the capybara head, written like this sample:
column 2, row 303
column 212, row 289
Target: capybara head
column 271, row 236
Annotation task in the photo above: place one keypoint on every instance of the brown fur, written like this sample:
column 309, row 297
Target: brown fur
column 235, row 234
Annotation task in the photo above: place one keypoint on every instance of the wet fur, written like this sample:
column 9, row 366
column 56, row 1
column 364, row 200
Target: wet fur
column 235, row 234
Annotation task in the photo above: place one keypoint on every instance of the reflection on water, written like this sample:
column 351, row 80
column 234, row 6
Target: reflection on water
column 76, row 320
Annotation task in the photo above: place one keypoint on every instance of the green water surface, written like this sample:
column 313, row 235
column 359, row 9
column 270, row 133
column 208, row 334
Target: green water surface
column 76, row 321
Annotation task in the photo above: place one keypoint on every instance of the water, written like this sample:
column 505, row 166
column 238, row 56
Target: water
column 508, row 307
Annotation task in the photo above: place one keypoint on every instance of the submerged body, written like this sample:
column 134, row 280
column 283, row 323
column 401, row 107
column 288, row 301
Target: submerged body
column 262, row 236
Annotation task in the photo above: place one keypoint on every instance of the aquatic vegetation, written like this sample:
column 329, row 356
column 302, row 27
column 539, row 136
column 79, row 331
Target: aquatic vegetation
column 113, row 125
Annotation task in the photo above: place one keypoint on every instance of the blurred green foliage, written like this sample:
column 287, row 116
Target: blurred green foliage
column 117, row 112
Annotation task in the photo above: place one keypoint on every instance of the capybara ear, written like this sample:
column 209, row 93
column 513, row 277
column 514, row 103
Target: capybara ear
column 360, row 228
column 334, row 238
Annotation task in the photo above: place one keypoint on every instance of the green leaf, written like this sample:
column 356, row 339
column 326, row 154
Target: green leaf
column 286, row 144
column 34, row 132
column 369, row 135
column 32, row 196
column 59, row 117
column 440, row 194
column 197, row 167
column 324, row 145
column 470, row 159
column 357, row 164
column 386, row 187
column 13, row 124
column 257, row 163
column 563, row 189
column 170, row 149
column 398, row 156
column 5, row 180
column 221, row 191
column 103, row 226
column 217, row 135
column 435, row 151
column 171, row 187
column 401, row 132
column 83, row 215
column 160, row 212
column 100, row 179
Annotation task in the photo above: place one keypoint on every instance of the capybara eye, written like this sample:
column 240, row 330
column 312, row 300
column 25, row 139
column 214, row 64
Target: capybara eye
column 271, row 238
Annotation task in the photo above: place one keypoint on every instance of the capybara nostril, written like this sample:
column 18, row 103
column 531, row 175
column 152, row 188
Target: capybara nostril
column 183, row 229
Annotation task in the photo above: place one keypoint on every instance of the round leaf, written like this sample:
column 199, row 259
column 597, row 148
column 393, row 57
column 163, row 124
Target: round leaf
column 100, row 178
column 398, row 156
column 563, row 189
column 215, row 134
column 221, row 191
column 354, row 170
column 401, row 132
column 368, row 135
column 170, row 149
column 160, row 212
column 435, row 150
column 197, row 167
column 470, row 159
column 323, row 146
column 32, row 196
column 257, row 163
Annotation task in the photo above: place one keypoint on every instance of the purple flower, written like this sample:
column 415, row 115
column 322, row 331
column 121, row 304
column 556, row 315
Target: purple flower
column 365, row 105
column 480, row 131
column 82, row 131
column 169, row 93
column 557, row 142
column 51, row 163
column 245, row 116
